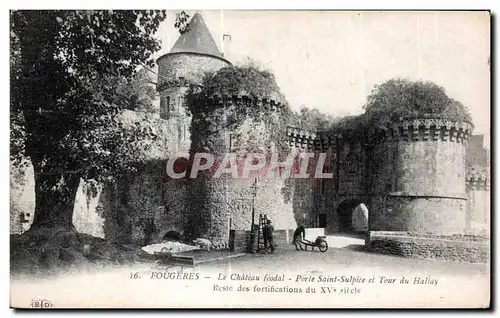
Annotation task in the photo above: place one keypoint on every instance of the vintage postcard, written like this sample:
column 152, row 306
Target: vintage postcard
column 249, row 159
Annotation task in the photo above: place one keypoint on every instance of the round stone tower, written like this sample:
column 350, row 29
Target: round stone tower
column 418, row 177
column 193, row 54
column 224, row 202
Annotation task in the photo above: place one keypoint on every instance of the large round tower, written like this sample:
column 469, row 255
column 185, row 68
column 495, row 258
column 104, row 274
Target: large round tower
column 418, row 176
column 194, row 53
column 232, row 200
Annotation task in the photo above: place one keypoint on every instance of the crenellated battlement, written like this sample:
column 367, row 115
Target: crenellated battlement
column 477, row 181
column 424, row 129
column 311, row 140
column 302, row 138
column 272, row 102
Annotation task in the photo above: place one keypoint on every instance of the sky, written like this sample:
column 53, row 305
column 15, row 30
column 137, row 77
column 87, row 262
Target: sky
column 332, row 60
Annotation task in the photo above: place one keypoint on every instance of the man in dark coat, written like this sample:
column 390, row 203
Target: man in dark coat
column 267, row 232
column 149, row 228
column 298, row 236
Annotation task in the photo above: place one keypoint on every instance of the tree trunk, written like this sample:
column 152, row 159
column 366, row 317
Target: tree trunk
column 55, row 199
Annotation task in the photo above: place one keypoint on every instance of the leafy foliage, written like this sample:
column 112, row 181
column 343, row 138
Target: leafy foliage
column 400, row 98
column 72, row 74
column 312, row 119
column 236, row 80
column 247, row 80
column 72, row 78
column 181, row 22
column 350, row 124
column 135, row 94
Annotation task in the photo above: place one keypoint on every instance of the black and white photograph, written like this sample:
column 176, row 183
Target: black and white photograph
column 250, row 159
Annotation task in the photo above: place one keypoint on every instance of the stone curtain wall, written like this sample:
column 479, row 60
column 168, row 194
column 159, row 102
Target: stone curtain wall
column 478, row 205
column 114, row 212
column 145, row 199
column 268, row 201
column 351, row 175
column 303, row 200
column 461, row 249
column 175, row 202
column 131, row 202
column 119, row 220
column 346, row 159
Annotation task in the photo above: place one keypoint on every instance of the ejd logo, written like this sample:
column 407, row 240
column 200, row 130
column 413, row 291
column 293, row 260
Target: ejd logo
column 41, row 303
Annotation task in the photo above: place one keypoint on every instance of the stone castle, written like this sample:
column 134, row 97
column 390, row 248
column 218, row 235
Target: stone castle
column 412, row 176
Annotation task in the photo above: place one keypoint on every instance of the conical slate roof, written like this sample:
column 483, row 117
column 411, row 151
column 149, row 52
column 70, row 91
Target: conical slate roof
column 197, row 39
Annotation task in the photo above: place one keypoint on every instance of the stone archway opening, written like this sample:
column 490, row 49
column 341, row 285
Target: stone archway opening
column 353, row 216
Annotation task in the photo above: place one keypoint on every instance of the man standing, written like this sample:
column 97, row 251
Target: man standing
column 149, row 229
column 267, row 232
column 298, row 236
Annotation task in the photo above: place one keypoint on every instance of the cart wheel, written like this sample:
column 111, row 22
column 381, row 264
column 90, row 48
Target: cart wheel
column 157, row 264
column 323, row 246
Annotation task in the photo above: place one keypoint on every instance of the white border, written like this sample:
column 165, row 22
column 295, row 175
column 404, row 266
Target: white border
column 199, row 4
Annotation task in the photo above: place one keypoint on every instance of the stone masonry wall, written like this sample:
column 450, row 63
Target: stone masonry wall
column 410, row 177
column 346, row 160
column 478, row 203
column 241, row 239
column 190, row 66
column 426, row 193
column 130, row 202
column 478, row 211
column 227, row 202
column 177, row 120
column 418, row 215
column 456, row 249
column 351, row 176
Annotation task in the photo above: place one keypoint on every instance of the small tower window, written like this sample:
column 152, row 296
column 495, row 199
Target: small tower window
column 168, row 104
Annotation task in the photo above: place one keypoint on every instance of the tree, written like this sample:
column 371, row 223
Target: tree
column 313, row 119
column 64, row 66
column 400, row 98
column 136, row 93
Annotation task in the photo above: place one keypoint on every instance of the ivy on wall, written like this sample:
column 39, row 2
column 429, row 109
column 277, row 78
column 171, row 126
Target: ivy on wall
column 400, row 99
column 253, row 84
column 181, row 82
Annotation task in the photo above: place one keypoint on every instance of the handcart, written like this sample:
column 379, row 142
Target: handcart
column 165, row 259
column 320, row 243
